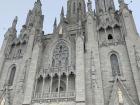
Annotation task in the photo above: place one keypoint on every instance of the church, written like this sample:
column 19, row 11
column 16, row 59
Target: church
column 92, row 57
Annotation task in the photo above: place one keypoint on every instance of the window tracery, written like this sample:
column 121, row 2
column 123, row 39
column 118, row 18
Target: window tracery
column 60, row 55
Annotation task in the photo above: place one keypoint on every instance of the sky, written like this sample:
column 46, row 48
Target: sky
column 51, row 9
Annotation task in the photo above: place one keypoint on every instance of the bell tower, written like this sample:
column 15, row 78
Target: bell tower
column 103, row 6
column 76, row 9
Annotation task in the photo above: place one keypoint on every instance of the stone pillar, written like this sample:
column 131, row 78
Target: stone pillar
column 94, row 86
column 43, row 86
column 36, row 80
column 80, row 71
column 51, row 83
column 135, row 71
column 25, row 67
column 59, row 78
column 2, row 58
column 31, row 75
column 67, row 83
column 131, row 37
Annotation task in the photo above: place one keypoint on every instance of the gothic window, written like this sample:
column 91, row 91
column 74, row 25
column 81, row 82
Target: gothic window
column 39, row 84
column 60, row 55
column 115, row 65
column 11, row 77
column 71, row 82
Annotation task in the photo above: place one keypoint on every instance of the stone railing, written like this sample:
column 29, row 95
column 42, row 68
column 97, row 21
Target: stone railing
column 53, row 95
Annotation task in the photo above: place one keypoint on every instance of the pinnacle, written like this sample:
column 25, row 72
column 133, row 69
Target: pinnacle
column 55, row 22
column 14, row 22
column 62, row 11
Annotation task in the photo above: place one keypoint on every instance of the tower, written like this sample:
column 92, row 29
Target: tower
column 92, row 57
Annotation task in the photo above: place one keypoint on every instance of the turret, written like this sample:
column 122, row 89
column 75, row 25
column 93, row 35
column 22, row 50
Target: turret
column 35, row 17
column 9, row 36
column 73, row 8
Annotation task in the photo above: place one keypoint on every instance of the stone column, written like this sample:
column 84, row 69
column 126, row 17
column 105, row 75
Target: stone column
column 59, row 78
column 80, row 71
column 43, row 87
column 51, row 83
column 67, row 83
column 35, row 87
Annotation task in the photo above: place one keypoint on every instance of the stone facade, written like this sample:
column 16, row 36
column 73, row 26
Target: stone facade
column 90, row 58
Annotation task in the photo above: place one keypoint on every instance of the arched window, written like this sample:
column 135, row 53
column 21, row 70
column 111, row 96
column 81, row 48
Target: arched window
column 39, row 84
column 115, row 65
column 11, row 77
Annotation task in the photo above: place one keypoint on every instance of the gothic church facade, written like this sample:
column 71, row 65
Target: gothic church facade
column 92, row 57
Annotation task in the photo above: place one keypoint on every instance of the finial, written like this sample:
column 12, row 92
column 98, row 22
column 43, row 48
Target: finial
column 62, row 11
column 89, row 5
column 14, row 22
column 55, row 22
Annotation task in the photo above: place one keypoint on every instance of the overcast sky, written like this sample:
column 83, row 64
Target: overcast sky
column 51, row 9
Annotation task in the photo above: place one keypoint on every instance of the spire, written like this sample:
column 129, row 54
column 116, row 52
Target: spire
column 35, row 17
column 37, row 7
column 12, row 30
column 55, row 25
column 14, row 22
column 73, row 8
column 89, row 5
column 62, row 14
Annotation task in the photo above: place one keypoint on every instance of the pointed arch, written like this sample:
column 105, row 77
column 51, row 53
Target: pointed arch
column 115, row 65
